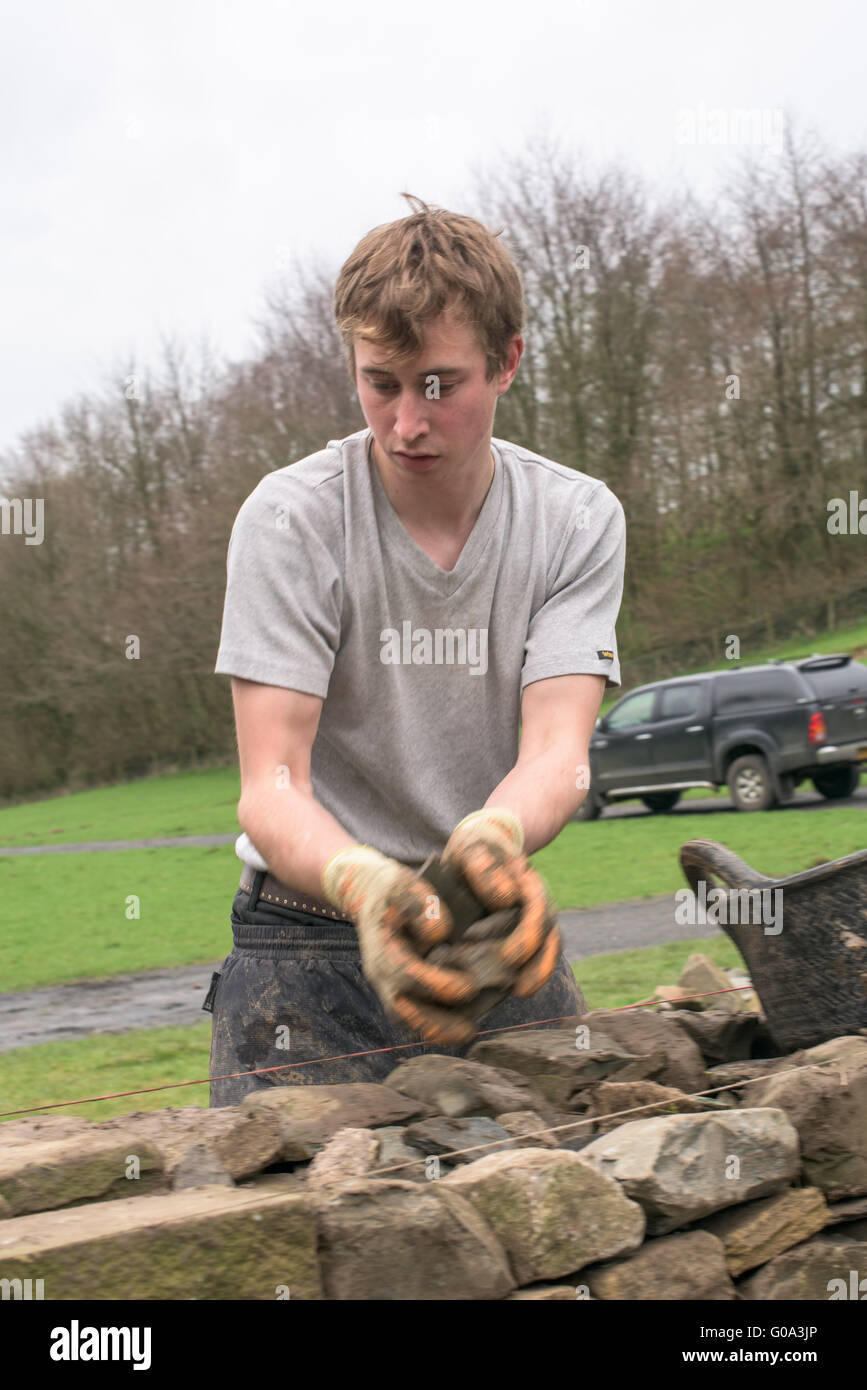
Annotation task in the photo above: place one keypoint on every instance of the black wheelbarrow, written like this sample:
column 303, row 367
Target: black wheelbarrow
column 810, row 975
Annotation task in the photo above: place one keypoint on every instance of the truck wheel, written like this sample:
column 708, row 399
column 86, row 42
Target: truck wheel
column 590, row 809
column 836, row 782
column 661, row 801
column 750, row 784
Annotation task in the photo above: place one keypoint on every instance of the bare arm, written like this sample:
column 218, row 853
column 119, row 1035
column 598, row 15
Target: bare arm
column 558, row 716
column 296, row 835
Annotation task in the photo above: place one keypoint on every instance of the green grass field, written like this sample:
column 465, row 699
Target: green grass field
column 152, row 808
column 602, row 861
column 65, row 916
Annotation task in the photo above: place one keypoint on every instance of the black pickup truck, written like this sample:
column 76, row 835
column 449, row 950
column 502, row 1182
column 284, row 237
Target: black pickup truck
column 759, row 730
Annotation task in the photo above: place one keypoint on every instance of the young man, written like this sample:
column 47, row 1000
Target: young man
column 396, row 604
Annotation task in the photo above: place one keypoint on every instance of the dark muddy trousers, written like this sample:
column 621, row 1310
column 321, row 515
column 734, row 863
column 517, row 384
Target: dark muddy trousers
column 293, row 991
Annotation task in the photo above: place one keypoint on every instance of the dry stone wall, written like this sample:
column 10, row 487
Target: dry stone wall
column 550, row 1164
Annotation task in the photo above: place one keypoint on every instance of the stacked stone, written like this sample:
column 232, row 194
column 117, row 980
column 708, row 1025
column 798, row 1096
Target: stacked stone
column 513, row 1174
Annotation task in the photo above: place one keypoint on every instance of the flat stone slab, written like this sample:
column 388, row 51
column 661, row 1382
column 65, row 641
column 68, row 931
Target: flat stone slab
column 682, row 1268
column 818, row 1269
column 559, row 1064
column 205, row 1243
column 42, row 1176
column 443, row 1134
column 754, row 1233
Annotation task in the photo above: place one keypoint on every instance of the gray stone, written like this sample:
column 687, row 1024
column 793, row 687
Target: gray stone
column 754, row 1233
column 530, row 1126
column 444, row 1135
column 641, row 1031
column 553, row 1212
column 606, row 1102
column 850, row 1210
column 746, row 1072
column 573, row 1132
column 825, row 1099
column 390, row 1240
column 32, row 1129
column 348, row 1155
column 240, row 1142
column 395, row 1153
column 720, row 1036
column 677, row 1166
column 200, row 1167
column 818, row 1269
column 544, row 1293
column 560, row 1069
column 309, row 1115
column 221, row 1243
column 682, row 1268
column 672, row 997
column 84, row 1167
column 456, row 1087
column 703, row 977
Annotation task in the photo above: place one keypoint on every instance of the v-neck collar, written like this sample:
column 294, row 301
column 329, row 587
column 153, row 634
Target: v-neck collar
column 444, row 582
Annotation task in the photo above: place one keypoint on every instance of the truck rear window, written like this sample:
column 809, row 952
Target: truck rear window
column 742, row 689
column 836, row 682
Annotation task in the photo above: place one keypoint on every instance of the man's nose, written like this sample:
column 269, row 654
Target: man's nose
column 410, row 418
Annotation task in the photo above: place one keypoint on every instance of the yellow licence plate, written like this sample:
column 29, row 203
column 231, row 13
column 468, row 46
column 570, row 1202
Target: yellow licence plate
column 862, row 754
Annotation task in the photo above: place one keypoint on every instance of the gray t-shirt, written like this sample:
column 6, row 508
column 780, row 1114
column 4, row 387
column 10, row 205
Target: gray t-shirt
column 421, row 670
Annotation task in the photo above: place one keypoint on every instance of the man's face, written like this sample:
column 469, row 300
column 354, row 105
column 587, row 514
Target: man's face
column 435, row 413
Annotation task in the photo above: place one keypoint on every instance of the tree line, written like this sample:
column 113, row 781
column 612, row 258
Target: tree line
column 708, row 360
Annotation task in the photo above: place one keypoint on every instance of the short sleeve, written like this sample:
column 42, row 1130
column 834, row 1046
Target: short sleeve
column 284, row 590
column 573, row 633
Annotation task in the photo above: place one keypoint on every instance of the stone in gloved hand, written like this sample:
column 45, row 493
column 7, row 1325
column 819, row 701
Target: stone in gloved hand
column 486, row 850
column 474, row 946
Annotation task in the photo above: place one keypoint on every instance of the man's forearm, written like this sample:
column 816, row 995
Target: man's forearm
column 543, row 793
column 294, row 834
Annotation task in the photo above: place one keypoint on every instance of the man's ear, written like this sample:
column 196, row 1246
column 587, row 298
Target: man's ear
column 510, row 371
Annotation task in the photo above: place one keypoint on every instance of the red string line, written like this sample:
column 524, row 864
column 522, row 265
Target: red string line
column 345, row 1056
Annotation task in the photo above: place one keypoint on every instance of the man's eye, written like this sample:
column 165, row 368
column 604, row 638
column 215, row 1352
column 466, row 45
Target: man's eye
column 385, row 386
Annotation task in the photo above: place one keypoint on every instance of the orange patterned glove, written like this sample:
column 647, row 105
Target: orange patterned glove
column 397, row 915
column 487, row 848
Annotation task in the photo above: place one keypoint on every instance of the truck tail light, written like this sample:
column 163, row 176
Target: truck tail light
column 817, row 730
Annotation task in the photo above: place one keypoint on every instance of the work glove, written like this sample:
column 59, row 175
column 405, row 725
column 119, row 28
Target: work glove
column 487, row 848
column 398, row 918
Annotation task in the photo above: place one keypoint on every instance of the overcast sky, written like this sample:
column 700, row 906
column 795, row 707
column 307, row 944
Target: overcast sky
column 162, row 160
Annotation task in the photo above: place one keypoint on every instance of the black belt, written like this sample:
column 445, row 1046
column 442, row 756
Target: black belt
column 273, row 891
